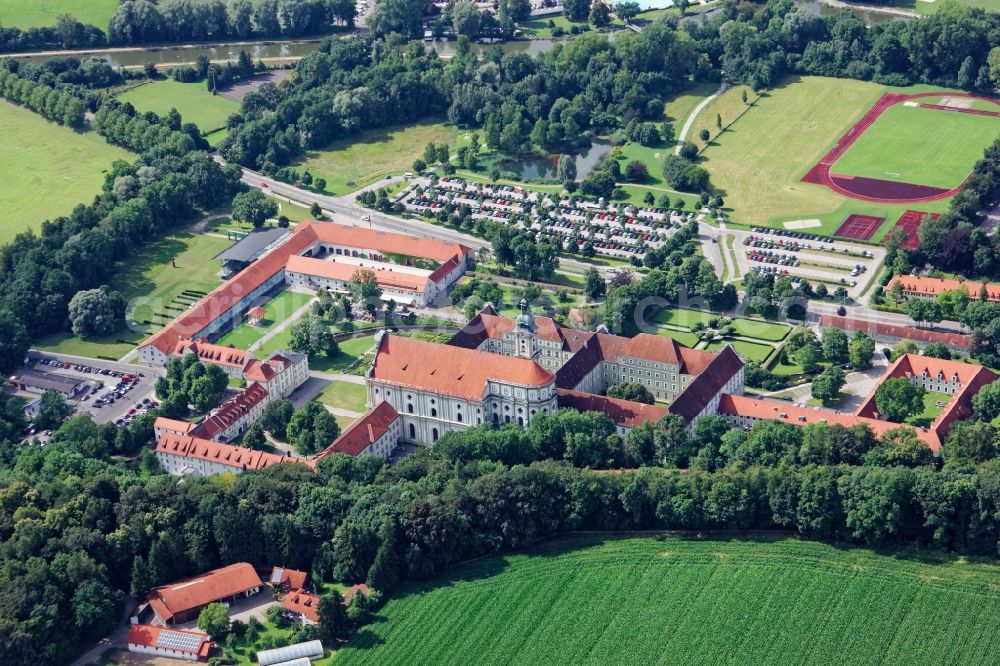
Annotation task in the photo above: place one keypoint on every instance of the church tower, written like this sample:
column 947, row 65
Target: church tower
column 525, row 340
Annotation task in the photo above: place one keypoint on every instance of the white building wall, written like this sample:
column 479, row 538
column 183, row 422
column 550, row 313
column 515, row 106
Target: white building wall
column 162, row 652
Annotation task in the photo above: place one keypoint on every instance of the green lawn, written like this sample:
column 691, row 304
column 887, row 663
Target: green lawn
column 922, row 146
column 350, row 351
column 727, row 107
column 758, row 163
column 682, row 317
column 750, row 351
column 192, row 101
column 679, row 108
column 761, row 330
column 344, row 395
column 683, row 600
column 350, row 164
column 47, row 169
column 931, row 410
column 155, row 289
column 41, row 13
column 278, row 309
column 684, row 337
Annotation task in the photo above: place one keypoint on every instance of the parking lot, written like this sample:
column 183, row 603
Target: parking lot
column 818, row 259
column 619, row 231
column 115, row 392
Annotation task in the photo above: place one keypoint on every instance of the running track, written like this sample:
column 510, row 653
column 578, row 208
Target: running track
column 866, row 187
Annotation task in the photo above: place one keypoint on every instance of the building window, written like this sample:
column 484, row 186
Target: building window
column 434, row 434
column 409, row 409
column 458, row 417
column 413, row 431
column 434, row 412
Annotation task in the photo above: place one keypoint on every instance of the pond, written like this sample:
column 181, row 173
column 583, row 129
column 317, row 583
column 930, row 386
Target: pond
column 544, row 168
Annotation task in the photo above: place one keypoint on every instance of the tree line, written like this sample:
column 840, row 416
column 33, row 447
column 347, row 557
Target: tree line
column 148, row 21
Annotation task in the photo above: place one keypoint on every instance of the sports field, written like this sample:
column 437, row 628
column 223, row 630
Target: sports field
column 759, row 162
column 40, row 13
column 673, row 600
column 350, row 164
column 47, row 169
column 192, row 100
column 912, row 144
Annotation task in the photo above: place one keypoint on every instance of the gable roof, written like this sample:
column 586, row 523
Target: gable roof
column 455, row 371
column 164, row 638
column 280, row 575
column 708, row 382
column 925, row 335
column 197, row 591
column 625, row 413
column 338, row 270
column 217, row 452
column 232, row 410
column 382, row 241
column 364, row 432
column 933, row 286
column 302, row 602
column 211, row 353
column 488, row 324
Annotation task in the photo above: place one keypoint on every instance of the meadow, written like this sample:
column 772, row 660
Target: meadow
column 47, row 169
column 351, row 163
column 26, row 14
column 676, row 600
column 759, row 161
column 922, row 146
column 192, row 100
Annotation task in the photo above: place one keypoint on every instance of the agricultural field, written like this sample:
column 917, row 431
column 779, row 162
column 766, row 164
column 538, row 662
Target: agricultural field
column 921, row 146
column 350, row 164
column 682, row 601
column 47, row 169
column 759, row 162
column 26, row 14
column 192, row 100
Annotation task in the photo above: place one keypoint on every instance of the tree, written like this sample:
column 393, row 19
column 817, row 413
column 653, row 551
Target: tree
column 419, row 166
column 364, row 289
column 631, row 391
column 595, row 287
column 937, row 350
column 214, row 621
column 96, row 312
column 441, row 152
column 576, row 10
column 312, row 429
column 627, row 11
column 969, row 442
column 254, row 207
column 204, row 394
column 254, row 437
column 52, row 410
column 333, row 624
column 465, row 20
column 704, row 135
column 898, row 399
column 636, row 171
column 861, row 349
column 826, row 387
column 600, row 14
column 566, row 169
column 311, row 335
column 276, row 416
column 986, row 403
column 835, row 345
column 807, row 357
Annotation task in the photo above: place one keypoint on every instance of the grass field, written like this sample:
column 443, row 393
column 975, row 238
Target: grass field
column 155, row 291
column 192, row 100
column 750, row 351
column 679, row 108
column 366, row 157
column 761, row 330
column 350, row 351
column 674, row 600
column 686, row 338
column 682, row 317
column 41, row 13
column 931, row 410
column 278, row 309
column 759, row 161
column 344, row 395
column 921, row 146
column 728, row 107
column 47, row 169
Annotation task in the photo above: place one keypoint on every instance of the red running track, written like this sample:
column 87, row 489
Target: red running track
column 875, row 189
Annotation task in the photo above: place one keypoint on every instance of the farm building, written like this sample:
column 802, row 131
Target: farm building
column 170, row 643
column 182, row 600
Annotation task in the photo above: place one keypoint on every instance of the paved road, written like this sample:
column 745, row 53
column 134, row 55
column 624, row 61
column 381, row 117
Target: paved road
column 694, row 114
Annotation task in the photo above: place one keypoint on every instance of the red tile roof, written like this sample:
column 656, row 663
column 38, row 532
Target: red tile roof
column 364, row 432
column 257, row 312
column 777, row 410
column 488, row 324
column 625, row 413
column 191, row 593
column 933, row 286
column 295, row 579
column 217, row 452
column 332, row 269
column 302, row 602
column 354, row 589
column 165, row 638
column 954, row 340
column 173, row 425
column 210, row 353
column 306, row 234
column 232, row 411
column 708, row 382
column 455, row 371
